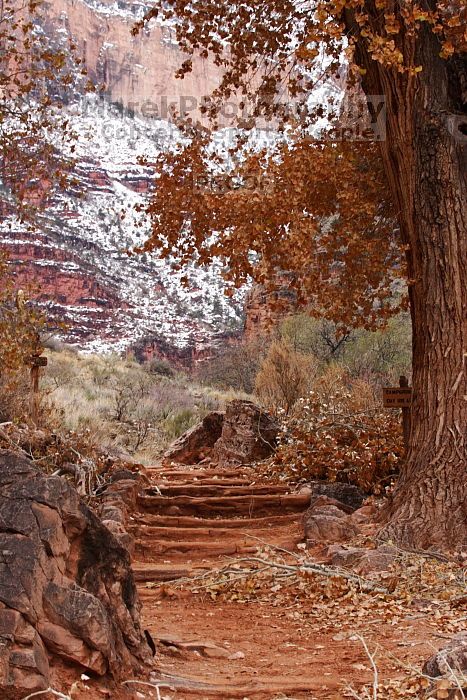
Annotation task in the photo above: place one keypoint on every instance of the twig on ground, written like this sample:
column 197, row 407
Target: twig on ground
column 375, row 685
column 57, row 694
column 151, row 685
column 455, row 678
column 320, row 569
column 425, row 553
column 288, row 569
column 272, row 546
column 374, row 667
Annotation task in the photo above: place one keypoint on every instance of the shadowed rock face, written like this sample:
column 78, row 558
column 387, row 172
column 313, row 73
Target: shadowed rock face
column 66, row 586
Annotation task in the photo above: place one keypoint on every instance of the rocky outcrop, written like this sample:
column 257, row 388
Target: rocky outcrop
column 75, row 257
column 66, row 586
column 138, row 72
column 201, row 347
column 266, row 308
column 243, row 434
column 197, row 443
column 119, row 499
column 249, row 434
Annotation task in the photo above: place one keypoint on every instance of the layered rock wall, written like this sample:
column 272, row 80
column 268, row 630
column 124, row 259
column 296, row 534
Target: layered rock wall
column 135, row 71
column 66, row 587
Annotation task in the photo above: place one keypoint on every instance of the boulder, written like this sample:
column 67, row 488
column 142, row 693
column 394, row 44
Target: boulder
column 197, row 443
column 66, row 586
column 452, row 658
column 326, row 520
column 365, row 514
column 363, row 561
column 249, row 434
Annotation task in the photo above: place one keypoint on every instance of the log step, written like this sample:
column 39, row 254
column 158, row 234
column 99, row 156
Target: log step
column 221, row 490
column 210, row 506
column 186, row 521
column 181, row 534
column 203, row 482
column 194, row 547
column 157, row 572
column 194, row 473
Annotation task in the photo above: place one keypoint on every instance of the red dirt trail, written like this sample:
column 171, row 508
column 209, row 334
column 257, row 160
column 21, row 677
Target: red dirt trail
column 192, row 520
column 217, row 649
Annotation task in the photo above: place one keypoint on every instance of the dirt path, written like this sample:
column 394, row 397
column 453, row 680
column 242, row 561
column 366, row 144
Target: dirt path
column 191, row 521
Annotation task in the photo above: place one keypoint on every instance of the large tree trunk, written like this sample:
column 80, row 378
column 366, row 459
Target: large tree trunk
column 425, row 157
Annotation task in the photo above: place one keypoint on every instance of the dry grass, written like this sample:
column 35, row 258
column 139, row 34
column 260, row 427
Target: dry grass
column 125, row 408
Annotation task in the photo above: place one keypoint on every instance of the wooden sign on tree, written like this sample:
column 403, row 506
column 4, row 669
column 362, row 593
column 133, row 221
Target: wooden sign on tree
column 400, row 397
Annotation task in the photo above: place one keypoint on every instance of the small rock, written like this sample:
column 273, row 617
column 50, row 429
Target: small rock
column 327, row 523
column 362, row 561
column 236, row 655
column 215, row 653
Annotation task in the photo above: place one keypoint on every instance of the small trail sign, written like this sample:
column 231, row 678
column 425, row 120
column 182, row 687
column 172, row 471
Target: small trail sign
column 397, row 397
column 35, row 362
column 400, row 397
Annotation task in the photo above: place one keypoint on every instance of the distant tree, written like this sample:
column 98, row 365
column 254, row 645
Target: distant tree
column 235, row 367
column 317, row 336
column 284, row 376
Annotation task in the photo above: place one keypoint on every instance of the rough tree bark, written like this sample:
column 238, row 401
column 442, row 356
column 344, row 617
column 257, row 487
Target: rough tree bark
column 425, row 160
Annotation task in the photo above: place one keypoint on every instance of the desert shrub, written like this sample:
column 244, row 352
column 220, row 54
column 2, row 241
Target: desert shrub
column 160, row 367
column 20, row 330
column 284, row 376
column 338, row 432
column 123, row 408
column 14, row 396
column 381, row 355
column 317, row 337
column 235, row 367
column 180, row 421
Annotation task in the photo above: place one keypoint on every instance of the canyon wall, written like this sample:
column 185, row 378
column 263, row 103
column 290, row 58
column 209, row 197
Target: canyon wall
column 135, row 71
column 76, row 255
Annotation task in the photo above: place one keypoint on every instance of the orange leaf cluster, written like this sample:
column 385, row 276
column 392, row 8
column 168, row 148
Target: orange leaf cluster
column 317, row 210
column 340, row 433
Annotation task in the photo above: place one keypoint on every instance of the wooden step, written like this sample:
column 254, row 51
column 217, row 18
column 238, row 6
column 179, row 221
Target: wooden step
column 261, row 685
column 160, row 483
column 154, row 548
column 187, row 521
column 191, row 473
column 159, row 572
column 146, row 532
column 210, row 506
column 203, row 490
